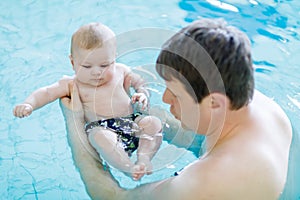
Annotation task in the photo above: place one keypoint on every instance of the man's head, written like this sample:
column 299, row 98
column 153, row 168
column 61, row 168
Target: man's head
column 209, row 57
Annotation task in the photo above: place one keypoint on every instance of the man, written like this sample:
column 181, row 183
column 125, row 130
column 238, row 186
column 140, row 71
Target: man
column 207, row 68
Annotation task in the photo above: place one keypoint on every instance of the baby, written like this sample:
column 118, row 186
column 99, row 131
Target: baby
column 112, row 126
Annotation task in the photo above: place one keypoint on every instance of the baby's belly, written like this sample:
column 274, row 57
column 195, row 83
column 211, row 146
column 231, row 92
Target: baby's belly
column 96, row 115
column 104, row 108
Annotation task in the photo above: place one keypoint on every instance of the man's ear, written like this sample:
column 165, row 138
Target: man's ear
column 71, row 60
column 218, row 100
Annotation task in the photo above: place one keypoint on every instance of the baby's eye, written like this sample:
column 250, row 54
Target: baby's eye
column 104, row 65
column 86, row 66
column 107, row 65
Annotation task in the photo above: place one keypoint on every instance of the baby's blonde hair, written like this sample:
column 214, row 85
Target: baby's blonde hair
column 91, row 36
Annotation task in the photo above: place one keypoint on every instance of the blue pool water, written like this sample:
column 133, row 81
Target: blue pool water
column 35, row 159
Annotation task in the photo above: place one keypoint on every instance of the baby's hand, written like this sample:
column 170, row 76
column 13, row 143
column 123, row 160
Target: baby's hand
column 141, row 98
column 23, row 110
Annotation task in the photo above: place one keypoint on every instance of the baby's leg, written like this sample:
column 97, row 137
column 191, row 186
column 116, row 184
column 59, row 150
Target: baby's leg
column 149, row 143
column 107, row 145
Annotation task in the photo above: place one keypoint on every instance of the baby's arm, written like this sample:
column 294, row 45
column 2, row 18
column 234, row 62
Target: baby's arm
column 42, row 96
column 138, row 83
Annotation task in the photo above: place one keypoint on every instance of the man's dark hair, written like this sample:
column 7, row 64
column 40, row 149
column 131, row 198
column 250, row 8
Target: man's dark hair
column 207, row 56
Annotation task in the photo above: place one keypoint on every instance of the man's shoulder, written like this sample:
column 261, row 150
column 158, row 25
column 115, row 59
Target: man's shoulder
column 271, row 112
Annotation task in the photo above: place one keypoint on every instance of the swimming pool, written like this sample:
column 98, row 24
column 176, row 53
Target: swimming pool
column 35, row 159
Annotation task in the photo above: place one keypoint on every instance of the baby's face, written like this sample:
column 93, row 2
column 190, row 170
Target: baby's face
column 94, row 67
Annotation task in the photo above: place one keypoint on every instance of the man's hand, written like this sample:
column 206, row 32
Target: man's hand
column 73, row 103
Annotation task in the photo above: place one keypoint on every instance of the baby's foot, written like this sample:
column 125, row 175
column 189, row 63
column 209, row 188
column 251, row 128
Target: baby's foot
column 140, row 169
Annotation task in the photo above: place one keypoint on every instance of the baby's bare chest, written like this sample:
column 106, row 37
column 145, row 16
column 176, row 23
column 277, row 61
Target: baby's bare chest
column 107, row 100
column 107, row 92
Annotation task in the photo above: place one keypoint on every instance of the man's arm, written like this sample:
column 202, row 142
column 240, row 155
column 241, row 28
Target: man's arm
column 175, row 134
column 189, row 185
column 99, row 183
